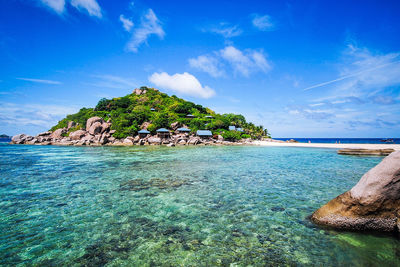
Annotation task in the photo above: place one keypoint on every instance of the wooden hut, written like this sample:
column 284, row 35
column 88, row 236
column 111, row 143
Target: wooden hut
column 204, row 134
column 143, row 133
column 183, row 130
column 163, row 133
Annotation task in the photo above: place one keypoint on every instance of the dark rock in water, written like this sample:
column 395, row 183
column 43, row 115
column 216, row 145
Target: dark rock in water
column 140, row 184
column 276, row 208
column 365, row 152
column 372, row 204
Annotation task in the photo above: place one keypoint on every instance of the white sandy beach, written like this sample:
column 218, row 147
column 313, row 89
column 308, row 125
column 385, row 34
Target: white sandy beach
column 323, row 145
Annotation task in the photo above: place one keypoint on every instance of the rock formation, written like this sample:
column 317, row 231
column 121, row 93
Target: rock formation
column 365, row 152
column 98, row 132
column 372, row 204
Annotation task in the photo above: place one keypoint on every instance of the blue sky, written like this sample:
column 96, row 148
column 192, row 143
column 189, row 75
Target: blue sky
column 300, row 68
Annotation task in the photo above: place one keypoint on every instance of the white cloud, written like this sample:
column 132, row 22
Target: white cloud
column 149, row 25
column 263, row 23
column 245, row 62
column 184, row 83
column 363, row 74
column 57, row 5
column 226, row 30
column 242, row 62
column 39, row 81
column 91, row 6
column 126, row 23
column 31, row 118
column 208, row 64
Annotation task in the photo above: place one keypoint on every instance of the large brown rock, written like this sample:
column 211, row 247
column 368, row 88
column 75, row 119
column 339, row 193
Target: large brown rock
column 92, row 120
column 96, row 128
column 77, row 135
column 154, row 140
column 18, row 139
column 372, row 204
column 58, row 134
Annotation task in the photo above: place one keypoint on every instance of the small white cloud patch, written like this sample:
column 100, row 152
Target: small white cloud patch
column 39, row 81
column 245, row 63
column 149, row 25
column 57, row 5
column 91, row 6
column 263, row 23
column 126, row 23
column 184, row 83
column 226, row 30
column 207, row 64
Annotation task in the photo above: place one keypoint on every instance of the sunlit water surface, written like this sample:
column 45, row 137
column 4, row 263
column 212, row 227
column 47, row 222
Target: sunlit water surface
column 142, row 206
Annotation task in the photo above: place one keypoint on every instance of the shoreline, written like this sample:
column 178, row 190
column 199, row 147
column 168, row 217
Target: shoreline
column 327, row 145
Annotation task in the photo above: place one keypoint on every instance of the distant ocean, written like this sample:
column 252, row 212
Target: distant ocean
column 344, row 140
column 5, row 139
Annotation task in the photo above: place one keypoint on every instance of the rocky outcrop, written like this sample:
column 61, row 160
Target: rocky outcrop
column 372, row 204
column 58, row 134
column 71, row 124
column 98, row 132
column 18, row 139
column 93, row 120
column 365, row 152
column 154, row 140
column 95, row 128
column 77, row 135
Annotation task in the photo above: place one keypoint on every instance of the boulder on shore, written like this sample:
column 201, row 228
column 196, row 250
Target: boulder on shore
column 77, row 135
column 18, row 139
column 58, row 134
column 154, row 140
column 372, row 204
column 93, row 120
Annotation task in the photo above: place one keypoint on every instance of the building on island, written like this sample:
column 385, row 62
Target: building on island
column 183, row 130
column 204, row 134
column 143, row 133
column 152, row 109
column 232, row 128
column 190, row 116
column 163, row 133
column 209, row 117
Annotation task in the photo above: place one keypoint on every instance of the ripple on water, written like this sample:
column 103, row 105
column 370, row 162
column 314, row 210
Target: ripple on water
column 181, row 206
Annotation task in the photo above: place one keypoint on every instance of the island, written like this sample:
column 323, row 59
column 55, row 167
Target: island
column 147, row 117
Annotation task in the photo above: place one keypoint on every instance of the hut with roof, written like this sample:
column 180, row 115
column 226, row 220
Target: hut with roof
column 163, row 133
column 209, row 117
column 204, row 134
column 190, row 116
column 232, row 128
column 143, row 133
column 239, row 129
column 183, row 130
column 152, row 109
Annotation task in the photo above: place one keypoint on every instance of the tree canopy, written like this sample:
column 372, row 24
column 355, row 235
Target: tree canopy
column 128, row 113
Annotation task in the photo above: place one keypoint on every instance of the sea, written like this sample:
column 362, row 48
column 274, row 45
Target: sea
column 345, row 140
column 182, row 206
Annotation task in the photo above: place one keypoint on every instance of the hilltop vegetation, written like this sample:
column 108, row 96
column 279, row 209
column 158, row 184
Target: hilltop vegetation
column 128, row 113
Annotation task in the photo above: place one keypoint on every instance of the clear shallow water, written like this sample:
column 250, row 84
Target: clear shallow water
column 145, row 206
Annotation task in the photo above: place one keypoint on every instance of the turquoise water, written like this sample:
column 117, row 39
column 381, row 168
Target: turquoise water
column 151, row 206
